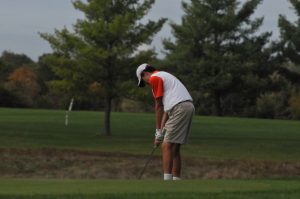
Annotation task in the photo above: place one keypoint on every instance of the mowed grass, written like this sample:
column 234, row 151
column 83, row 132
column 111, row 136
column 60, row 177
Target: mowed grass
column 210, row 137
column 215, row 138
column 134, row 189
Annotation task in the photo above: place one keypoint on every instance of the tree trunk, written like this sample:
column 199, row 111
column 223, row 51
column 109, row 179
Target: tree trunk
column 107, row 111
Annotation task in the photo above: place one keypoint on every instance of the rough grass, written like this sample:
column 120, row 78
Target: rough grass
column 76, row 164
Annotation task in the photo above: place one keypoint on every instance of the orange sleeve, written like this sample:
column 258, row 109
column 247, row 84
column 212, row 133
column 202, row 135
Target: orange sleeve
column 157, row 85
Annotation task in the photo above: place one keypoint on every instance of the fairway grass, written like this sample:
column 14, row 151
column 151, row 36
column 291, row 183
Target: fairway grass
column 34, row 188
column 210, row 137
column 33, row 141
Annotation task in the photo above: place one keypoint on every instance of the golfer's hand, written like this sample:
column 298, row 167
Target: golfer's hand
column 159, row 137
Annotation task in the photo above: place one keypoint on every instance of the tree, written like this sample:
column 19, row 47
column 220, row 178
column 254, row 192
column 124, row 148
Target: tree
column 10, row 61
column 219, row 55
column 288, row 54
column 289, row 45
column 101, row 47
column 23, row 82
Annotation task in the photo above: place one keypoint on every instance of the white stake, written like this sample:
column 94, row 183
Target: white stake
column 71, row 104
column 67, row 112
column 67, row 118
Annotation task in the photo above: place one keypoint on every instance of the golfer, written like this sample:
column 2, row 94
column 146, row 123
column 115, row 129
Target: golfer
column 174, row 111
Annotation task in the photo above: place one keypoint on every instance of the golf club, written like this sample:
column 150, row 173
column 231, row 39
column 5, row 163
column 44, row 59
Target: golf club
column 147, row 162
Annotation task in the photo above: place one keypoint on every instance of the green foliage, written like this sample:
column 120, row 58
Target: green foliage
column 219, row 55
column 9, row 99
column 229, row 68
column 14, row 60
column 288, row 47
column 10, row 61
column 18, row 85
column 294, row 105
column 290, row 34
column 23, row 82
column 101, row 48
column 101, row 45
column 271, row 105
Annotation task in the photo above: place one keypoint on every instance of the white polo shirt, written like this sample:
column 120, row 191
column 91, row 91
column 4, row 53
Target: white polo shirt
column 170, row 88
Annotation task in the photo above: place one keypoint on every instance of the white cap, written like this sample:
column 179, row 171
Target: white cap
column 139, row 71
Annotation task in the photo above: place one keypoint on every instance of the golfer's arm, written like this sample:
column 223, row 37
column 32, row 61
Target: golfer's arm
column 159, row 112
column 164, row 120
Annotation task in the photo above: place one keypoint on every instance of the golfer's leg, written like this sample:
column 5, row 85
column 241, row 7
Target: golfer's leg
column 176, row 170
column 167, row 160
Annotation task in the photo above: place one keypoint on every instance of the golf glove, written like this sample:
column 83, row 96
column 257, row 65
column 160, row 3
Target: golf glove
column 159, row 135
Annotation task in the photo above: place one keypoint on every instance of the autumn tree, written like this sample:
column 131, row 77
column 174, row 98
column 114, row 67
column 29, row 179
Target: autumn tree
column 23, row 82
column 9, row 62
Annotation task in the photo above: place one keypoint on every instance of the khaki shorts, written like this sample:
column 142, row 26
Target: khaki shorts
column 178, row 125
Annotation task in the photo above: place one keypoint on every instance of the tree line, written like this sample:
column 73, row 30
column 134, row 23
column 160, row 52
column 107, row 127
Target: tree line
column 229, row 66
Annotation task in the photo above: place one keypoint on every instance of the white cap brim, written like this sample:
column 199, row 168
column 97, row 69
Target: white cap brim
column 139, row 71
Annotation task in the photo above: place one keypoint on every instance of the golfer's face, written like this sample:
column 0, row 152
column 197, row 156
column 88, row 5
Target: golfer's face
column 146, row 76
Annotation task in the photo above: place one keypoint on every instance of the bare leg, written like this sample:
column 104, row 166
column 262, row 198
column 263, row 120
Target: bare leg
column 167, row 157
column 176, row 170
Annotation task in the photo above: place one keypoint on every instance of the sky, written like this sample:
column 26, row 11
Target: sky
column 22, row 20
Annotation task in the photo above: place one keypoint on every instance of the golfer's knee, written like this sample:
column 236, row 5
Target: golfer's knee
column 167, row 147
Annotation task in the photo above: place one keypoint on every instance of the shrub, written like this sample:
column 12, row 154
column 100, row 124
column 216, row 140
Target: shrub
column 9, row 99
column 272, row 105
column 294, row 106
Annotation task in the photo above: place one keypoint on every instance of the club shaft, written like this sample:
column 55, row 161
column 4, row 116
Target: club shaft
column 148, row 160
